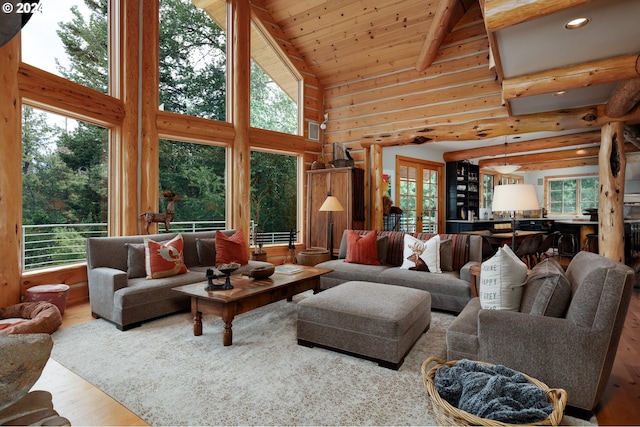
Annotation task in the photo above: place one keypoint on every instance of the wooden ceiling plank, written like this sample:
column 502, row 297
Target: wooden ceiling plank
column 364, row 68
column 584, row 138
column 499, row 14
column 573, row 77
column 448, row 13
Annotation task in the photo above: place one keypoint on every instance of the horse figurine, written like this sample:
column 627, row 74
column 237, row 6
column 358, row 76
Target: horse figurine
column 166, row 218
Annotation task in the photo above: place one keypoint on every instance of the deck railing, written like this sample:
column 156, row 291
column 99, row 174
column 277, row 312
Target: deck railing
column 49, row 245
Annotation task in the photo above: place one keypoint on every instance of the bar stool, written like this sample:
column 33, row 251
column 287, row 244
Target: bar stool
column 591, row 243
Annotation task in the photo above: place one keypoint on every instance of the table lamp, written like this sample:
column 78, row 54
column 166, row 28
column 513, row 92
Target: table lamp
column 512, row 198
column 331, row 204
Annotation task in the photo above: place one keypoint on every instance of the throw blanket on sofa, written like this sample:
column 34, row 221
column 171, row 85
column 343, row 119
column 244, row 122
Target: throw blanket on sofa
column 492, row 392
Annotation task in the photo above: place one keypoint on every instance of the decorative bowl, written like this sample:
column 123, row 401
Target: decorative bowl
column 262, row 272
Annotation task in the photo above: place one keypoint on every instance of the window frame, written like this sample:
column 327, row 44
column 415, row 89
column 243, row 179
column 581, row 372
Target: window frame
column 578, row 178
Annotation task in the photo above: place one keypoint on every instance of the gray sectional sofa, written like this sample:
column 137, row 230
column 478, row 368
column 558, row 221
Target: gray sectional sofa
column 450, row 290
column 119, row 290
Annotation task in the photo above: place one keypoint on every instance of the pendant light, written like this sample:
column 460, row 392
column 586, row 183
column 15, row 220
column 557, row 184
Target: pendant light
column 505, row 169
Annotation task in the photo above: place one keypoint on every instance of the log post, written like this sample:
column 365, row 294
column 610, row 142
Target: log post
column 612, row 164
column 375, row 171
column 10, row 173
column 149, row 97
column 240, row 38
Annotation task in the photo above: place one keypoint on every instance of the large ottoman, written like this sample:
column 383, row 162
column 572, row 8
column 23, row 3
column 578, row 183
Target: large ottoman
column 374, row 321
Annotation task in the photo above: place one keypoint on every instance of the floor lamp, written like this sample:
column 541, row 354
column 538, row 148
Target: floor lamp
column 512, row 198
column 331, row 205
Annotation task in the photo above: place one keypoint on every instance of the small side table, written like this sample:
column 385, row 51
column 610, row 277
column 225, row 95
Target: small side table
column 313, row 256
column 475, row 270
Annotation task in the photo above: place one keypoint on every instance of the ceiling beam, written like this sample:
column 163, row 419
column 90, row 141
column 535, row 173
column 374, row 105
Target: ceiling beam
column 550, row 156
column 524, row 146
column 447, row 15
column 558, row 164
column 573, row 77
column 624, row 99
column 554, row 121
column 499, row 14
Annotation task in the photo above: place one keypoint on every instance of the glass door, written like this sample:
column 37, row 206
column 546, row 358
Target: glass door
column 420, row 190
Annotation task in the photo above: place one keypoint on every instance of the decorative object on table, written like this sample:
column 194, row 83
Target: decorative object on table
column 341, row 156
column 331, row 204
column 258, row 254
column 291, row 253
column 512, row 198
column 167, row 217
column 448, row 415
column 262, row 272
column 288, row 269
column 225, row 269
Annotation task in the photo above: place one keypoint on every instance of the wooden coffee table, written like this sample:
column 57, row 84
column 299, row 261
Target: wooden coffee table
column 247, row 294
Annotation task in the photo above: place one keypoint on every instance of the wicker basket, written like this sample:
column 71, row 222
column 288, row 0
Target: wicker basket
column 448, row 415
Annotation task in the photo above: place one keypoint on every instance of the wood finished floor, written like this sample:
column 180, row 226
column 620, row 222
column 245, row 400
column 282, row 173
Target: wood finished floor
column 83, row 404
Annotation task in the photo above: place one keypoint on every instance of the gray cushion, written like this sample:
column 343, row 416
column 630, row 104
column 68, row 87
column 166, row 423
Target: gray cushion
column 206, row 251
column 547, row 291
column 135, row 260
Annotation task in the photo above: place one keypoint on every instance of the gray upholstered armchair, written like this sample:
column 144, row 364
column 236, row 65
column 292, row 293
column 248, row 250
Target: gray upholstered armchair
column 566, row 333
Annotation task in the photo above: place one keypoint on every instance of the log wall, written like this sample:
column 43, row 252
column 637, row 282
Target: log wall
column 458, row 87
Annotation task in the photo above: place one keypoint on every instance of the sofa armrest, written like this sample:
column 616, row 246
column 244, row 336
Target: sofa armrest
column 465, row 273
column 103, row 283
column 553, row 350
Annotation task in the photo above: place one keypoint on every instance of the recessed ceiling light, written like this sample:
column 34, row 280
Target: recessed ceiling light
column 576, row 23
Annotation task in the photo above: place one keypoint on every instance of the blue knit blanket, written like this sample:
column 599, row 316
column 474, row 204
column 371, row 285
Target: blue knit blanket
column 492, row 392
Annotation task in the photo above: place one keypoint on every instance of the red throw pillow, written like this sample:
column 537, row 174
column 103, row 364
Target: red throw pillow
column 362, row 249
column 164, row 259
column 231, row 249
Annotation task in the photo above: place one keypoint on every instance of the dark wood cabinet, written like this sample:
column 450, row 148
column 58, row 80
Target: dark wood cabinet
column 347, row 185
column 463, row 190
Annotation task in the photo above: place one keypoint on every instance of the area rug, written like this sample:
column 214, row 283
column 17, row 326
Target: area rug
column 167, row 376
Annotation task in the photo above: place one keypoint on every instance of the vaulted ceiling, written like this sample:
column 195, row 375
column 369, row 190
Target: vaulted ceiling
column 541, row 65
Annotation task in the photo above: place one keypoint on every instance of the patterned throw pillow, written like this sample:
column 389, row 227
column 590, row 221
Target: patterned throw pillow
column 420, row 255
column 164, row 259
column 502, row 278
column 362, row 249
column 231, row 249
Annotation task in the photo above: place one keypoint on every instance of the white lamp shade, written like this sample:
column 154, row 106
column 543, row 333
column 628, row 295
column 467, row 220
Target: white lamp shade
column 331, row 204
column 515, row 197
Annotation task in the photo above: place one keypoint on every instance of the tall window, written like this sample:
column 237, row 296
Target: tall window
column 571, row 196
column 193, row 59
column 274, row 87
column 64, row 186
column 274, row 195
column 196, row 174
column 70, row 40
